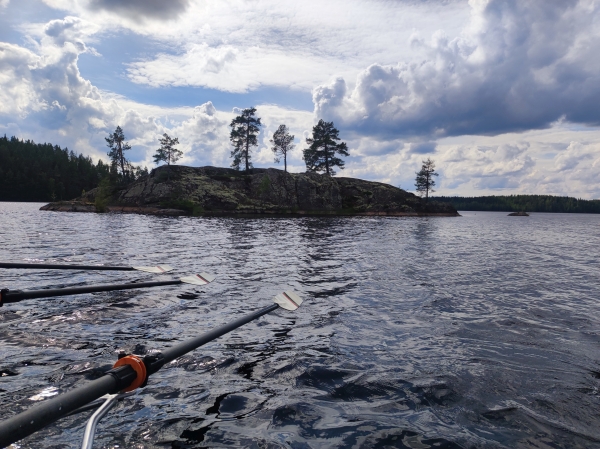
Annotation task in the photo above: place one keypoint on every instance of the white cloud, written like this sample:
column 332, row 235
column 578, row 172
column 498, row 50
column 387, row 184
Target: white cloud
column 493, row 167
column 17, row 95
column 204, row 137
column 467, row 96
column 516, row 66
column 238, row 46
column 228, row 69
column 46, row 87
column 44, row 93
column 544, row 162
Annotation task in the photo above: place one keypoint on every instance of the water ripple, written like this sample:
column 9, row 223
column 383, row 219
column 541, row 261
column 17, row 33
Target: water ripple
column 480, row 331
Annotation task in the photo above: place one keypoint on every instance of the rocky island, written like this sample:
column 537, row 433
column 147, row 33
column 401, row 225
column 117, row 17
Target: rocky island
column 180, row 190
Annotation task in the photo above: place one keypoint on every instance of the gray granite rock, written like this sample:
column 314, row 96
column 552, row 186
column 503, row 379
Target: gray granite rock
column 213, row 190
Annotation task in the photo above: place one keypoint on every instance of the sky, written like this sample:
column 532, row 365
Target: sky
column 504, row 95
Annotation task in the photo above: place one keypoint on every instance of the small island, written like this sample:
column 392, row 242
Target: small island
column 180, row 190
column 518, row 214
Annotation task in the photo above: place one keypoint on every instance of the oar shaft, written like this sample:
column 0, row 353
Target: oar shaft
column 17, row 295
column 37, row 417
column 34, row 419
column 187, row 346
column 49, row 266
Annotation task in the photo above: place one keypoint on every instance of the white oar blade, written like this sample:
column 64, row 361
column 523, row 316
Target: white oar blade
column 198, row 279
column 157, row 269
column 288, row 300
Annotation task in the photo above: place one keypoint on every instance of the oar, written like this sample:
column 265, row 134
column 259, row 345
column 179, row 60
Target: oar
column 129, row 373
column 37, row 266
column 7, row 296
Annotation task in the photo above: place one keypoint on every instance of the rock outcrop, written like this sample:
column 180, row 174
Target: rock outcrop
column 179, row 190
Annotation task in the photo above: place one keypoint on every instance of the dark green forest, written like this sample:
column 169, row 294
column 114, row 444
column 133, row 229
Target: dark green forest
column 42, row 172
column 527, row 203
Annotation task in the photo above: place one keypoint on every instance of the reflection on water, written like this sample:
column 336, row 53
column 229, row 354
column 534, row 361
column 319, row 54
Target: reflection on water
column 480, row 331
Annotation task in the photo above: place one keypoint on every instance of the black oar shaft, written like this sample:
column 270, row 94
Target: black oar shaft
column 34, row 419
column 41, row 415
column 17, row 295
column 50, row 266
column 187, row 346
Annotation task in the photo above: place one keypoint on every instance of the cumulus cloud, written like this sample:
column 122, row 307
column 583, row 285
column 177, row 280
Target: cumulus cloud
column 44, row 96
column 468, row 97
column 554, row 161
column 17, row 95
column 493, row 167
column 44, row 87
column 204, row 136
column 47, row 81
column 575, row 168
column 517, row 66
column 571, row 157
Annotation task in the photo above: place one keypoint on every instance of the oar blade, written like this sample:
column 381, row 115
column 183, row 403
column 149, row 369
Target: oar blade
column 157, row 269
column 288, row 300
column 198, row 279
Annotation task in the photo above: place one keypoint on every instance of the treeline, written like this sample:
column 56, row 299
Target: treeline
column 518, row 203
column 43, row 172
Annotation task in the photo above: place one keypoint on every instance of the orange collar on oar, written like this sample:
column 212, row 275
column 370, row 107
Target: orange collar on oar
column 138, row 366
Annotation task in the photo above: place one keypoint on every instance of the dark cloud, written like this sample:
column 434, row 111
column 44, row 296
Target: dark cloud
column 520, row 65
column 422, row 147
column 152, row 9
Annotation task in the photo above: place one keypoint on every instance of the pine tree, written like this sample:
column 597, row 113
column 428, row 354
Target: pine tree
column 244, row 129
column 167, row 151
column 118, row 146
column 424, row 182
column 321, row 155
column 282, row 143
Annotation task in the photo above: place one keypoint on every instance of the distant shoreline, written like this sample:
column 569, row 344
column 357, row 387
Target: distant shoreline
column 522, row 203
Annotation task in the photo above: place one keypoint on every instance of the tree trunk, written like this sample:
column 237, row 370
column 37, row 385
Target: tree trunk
column 121, row 157
column 247, row 142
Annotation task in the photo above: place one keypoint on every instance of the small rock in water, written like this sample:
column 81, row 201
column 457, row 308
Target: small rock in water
column 518, row 214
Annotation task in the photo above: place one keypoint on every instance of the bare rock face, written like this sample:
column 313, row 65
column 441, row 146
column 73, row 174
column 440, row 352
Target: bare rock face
column 212, row 191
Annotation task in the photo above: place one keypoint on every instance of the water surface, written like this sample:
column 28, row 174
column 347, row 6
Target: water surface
column 477, row 331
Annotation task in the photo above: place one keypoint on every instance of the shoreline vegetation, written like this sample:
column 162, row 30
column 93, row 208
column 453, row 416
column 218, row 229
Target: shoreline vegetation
column 522, row 203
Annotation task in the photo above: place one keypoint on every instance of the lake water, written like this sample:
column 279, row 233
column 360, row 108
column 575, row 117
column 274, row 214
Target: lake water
column 476, row 331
